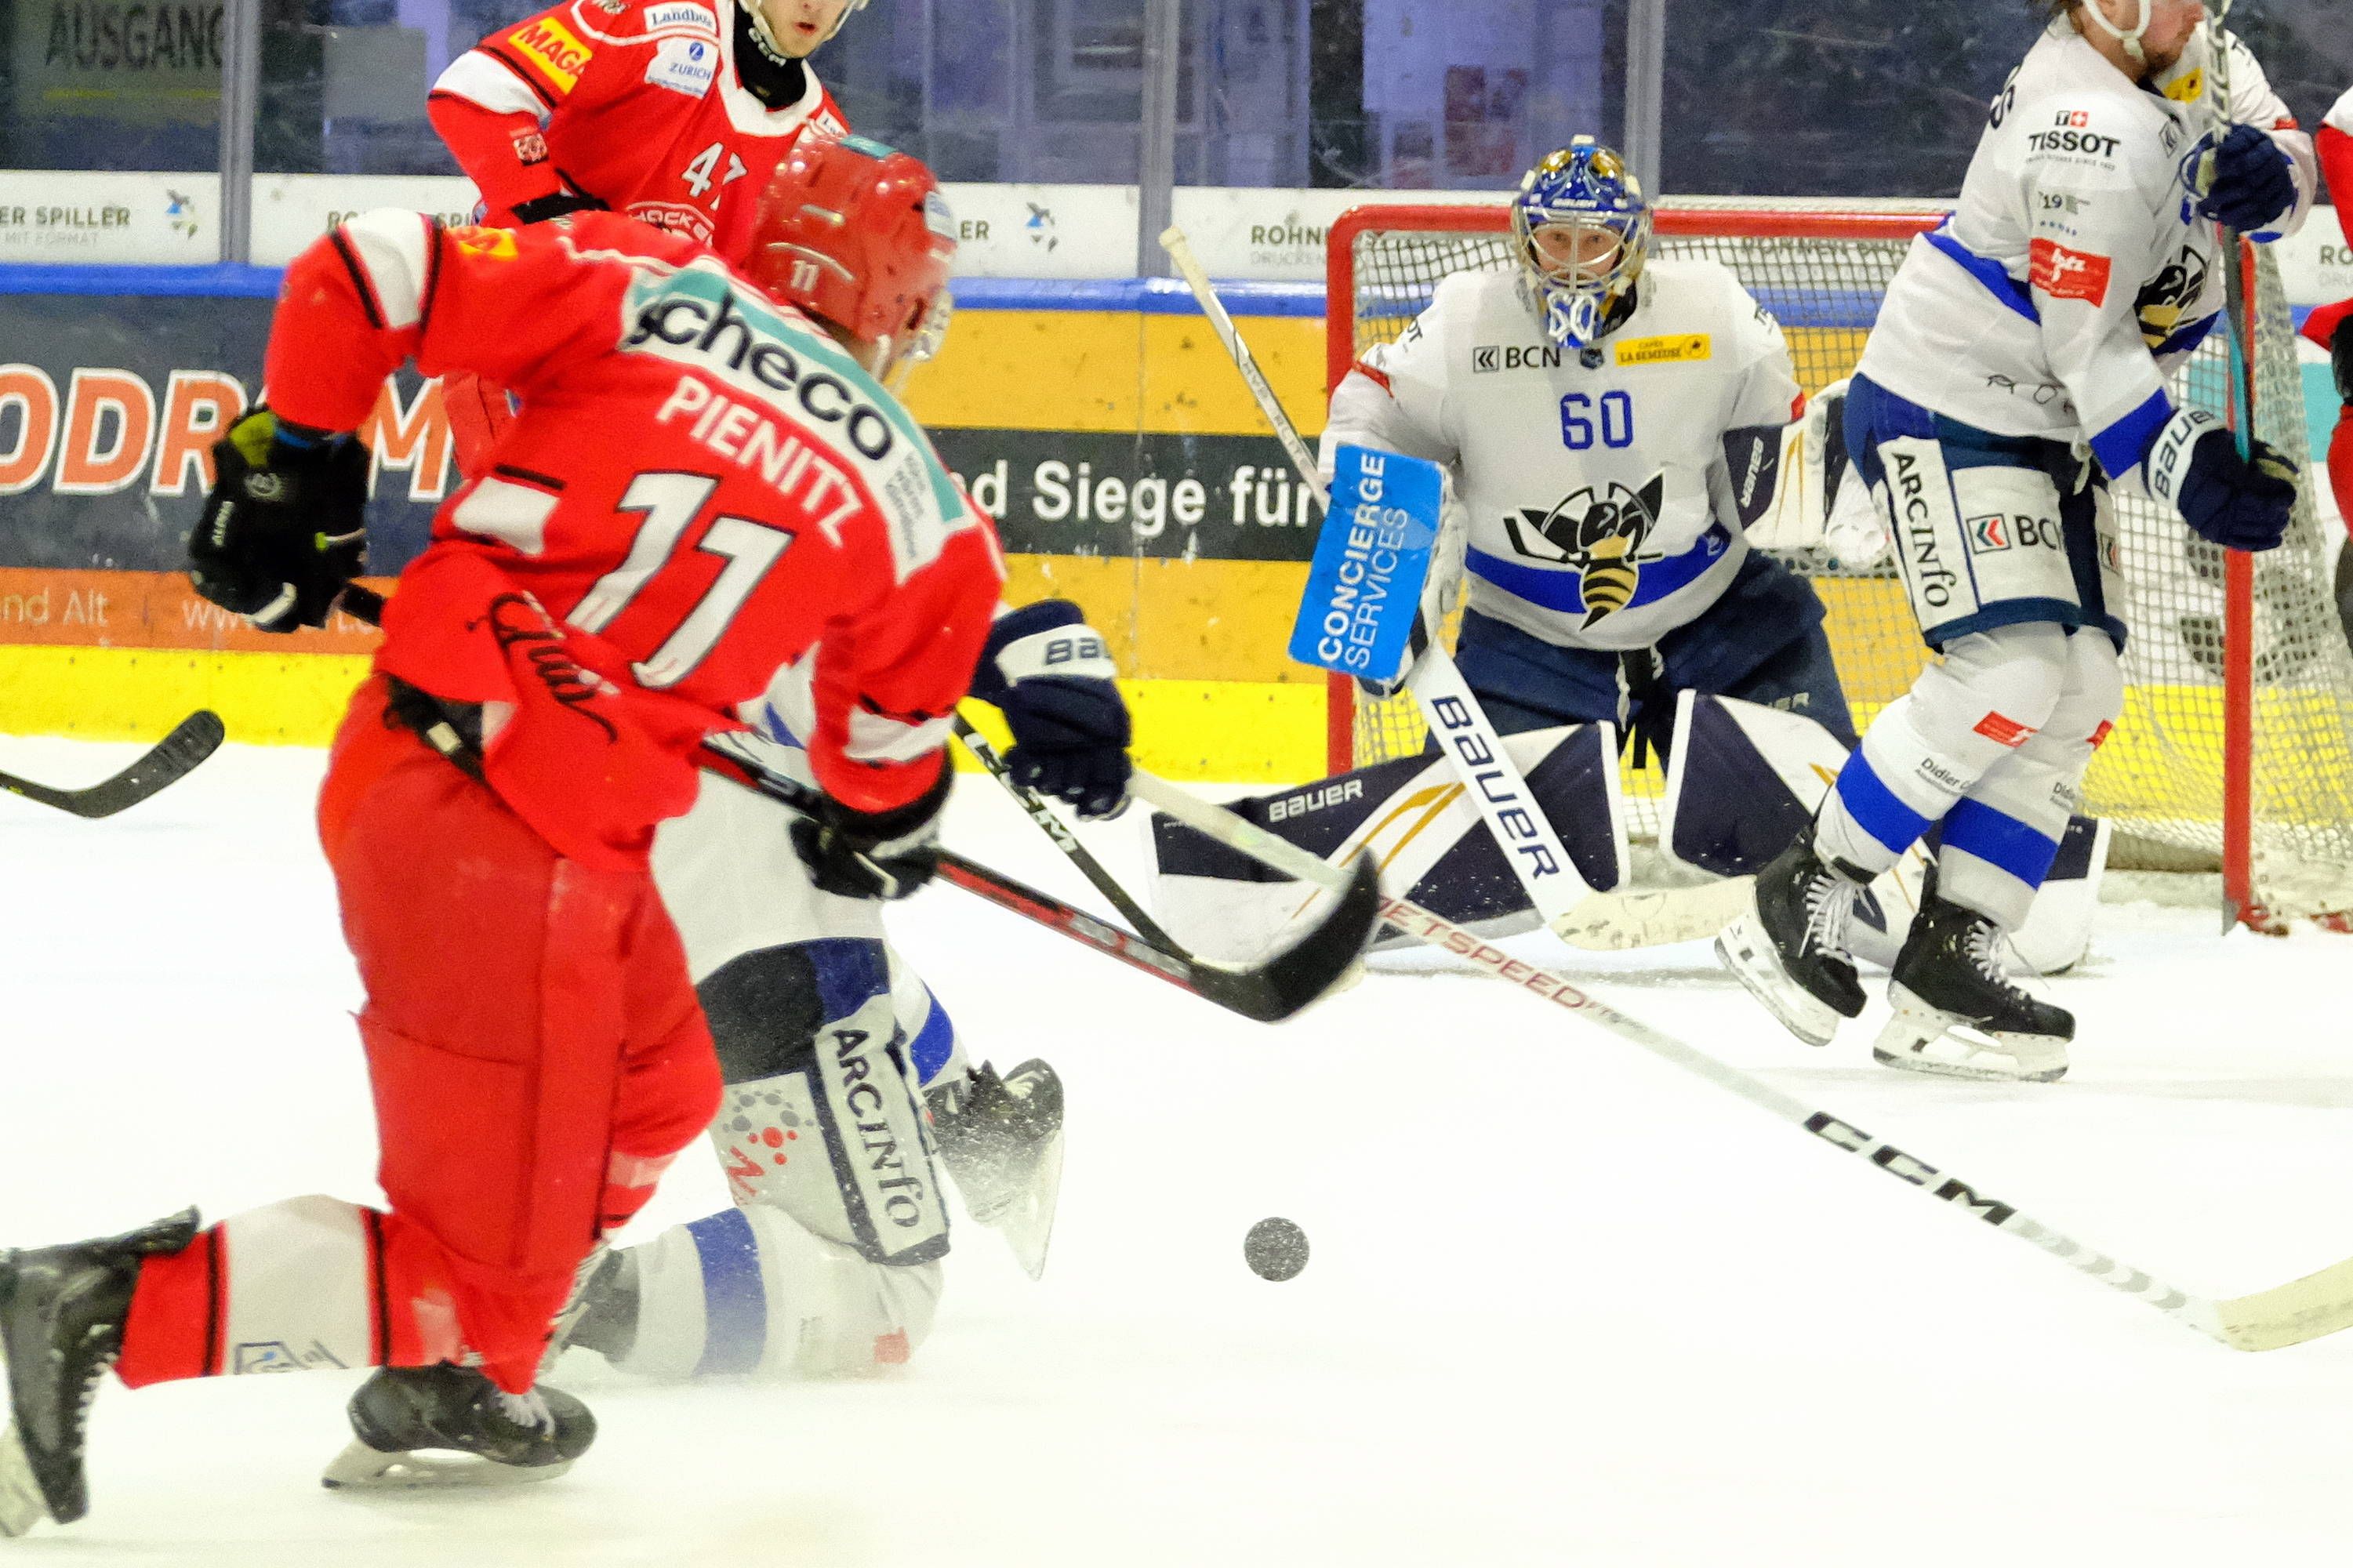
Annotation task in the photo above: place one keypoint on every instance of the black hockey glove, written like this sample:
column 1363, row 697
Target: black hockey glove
column 2250, row 183
column 2340, row 360
column 283, row 530
column 1047, row 672
column 2240, row 503
column 874, row 855
column 539, row 209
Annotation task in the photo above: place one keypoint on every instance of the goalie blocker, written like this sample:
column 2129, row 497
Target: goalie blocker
column 1743, row 782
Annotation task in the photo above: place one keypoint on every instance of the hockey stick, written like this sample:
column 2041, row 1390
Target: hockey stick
column 2290, row 1314
column 1051, row 824
column 1578, row 913
column 1267, row 993
column 167, row 762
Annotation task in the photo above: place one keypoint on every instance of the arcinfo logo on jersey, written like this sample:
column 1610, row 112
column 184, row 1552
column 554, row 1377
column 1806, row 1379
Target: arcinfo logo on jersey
column 2065, row 274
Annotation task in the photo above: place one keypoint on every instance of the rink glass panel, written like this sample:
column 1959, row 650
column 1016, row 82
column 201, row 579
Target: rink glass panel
column 2160, row 776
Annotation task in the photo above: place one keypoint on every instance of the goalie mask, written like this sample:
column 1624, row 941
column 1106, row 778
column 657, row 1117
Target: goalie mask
column 857, row 234
column 1583, row 231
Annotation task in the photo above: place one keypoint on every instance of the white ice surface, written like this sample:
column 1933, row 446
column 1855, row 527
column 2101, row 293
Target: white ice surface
column 1566, row 1305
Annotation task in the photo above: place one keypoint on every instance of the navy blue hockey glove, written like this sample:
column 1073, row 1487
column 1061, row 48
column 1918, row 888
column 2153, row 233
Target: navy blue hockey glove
column 283, row 530
column 2240, row 503
column 1047, row 672
column 2249, row 183
column 874, row 854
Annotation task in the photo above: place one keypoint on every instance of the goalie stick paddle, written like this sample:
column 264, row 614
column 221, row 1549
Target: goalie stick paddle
column 2318, row 1304
column 1266, row 993
column 170, row 760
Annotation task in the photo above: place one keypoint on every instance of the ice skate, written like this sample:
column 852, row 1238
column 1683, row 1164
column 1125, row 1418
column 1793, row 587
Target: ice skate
column 1001, row 1139
column 601, row 1313
column 1790, row 948
column 61, row 1315
column 1957, row 1013
column 447, row 1426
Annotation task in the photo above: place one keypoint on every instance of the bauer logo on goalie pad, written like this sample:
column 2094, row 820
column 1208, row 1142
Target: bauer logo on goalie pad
column 1372, row 558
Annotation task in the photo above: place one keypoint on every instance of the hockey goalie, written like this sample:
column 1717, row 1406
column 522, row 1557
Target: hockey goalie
column 1621, row 433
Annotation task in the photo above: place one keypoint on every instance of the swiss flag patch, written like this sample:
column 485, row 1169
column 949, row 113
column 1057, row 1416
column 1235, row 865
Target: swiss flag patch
column 2065, row 274
column 2004, row 731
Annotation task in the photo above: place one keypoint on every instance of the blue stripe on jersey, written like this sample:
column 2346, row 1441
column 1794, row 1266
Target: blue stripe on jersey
column 1985, row 269
column 1875, row 809
column 2000, row 840
column 2121, row 446
column 934, row 1043
column 2188, row 338
column 734, row 1302
column 1562, row 589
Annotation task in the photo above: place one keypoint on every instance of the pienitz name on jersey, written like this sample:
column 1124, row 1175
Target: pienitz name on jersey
column 696, row 318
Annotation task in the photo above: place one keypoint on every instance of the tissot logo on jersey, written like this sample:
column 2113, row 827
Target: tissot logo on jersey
column 2065, row 274
column 2073, row 142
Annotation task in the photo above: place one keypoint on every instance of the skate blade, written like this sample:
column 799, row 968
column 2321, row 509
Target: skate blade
column 21, row 1503
column 1744, row 949
column 1940, row 1044
column 1028, row 1226
column 361, row 1468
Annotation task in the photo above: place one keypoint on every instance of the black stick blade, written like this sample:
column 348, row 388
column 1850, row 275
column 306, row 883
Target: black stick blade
column 1304, row 972
column 171, row 759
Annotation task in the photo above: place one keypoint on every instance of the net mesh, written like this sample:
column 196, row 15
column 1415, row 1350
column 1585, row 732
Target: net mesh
column 2160, row 778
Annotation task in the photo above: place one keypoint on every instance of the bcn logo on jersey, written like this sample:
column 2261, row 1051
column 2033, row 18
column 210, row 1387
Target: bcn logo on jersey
column 2065, row 274
column 557, row 51
column 1488, row 359
column 1999, row 532
column 1681, row 350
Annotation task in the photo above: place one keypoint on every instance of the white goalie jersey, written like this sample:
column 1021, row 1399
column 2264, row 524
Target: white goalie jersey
column 2074, row 273
column 1603, row 505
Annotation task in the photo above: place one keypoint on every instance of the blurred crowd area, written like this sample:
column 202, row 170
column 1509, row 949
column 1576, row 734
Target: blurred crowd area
column 1828, row 97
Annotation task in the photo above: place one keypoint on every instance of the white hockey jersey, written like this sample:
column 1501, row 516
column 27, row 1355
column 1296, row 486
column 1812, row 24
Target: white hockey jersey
column 1602, row 510
column 2074, row 275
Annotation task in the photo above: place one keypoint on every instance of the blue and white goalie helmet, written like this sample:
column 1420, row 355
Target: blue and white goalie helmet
column 1583, row 230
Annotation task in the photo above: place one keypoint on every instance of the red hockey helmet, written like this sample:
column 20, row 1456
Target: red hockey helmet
column 857, row 234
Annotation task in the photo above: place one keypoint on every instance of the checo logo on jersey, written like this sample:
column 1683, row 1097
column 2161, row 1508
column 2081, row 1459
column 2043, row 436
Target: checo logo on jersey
column 1602, row 535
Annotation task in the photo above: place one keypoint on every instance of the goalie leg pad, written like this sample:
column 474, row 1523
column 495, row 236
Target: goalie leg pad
column 1423, row 831
column 755, row 1292
column 1761, row 642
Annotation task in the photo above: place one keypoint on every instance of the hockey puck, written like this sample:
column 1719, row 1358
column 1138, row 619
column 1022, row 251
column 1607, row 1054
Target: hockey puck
column 1275, row 1250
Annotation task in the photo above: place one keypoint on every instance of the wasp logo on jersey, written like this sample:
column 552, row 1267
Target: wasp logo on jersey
column 2166, row 301
column 1602, row 535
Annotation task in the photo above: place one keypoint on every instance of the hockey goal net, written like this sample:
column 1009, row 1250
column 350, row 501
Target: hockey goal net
column 2235, row 748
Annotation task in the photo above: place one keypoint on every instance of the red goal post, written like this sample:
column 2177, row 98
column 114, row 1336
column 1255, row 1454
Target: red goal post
column 2236, row 749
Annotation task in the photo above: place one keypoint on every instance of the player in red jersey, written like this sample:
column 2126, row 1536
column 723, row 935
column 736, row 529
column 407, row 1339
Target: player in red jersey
column 675, row 111
column 2331, row 326
column 656, row 108
column 704, row 488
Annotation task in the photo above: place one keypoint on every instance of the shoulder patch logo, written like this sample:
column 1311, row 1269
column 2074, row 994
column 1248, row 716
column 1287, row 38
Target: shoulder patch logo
column 555, row 49
column 1685, row 348
column 2189, row 89
column 2065, row 274
column 498, row 244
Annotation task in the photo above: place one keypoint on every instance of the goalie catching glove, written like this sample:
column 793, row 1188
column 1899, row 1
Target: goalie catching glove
column 1047, row 672
column 283, row 530
column 874, row 854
